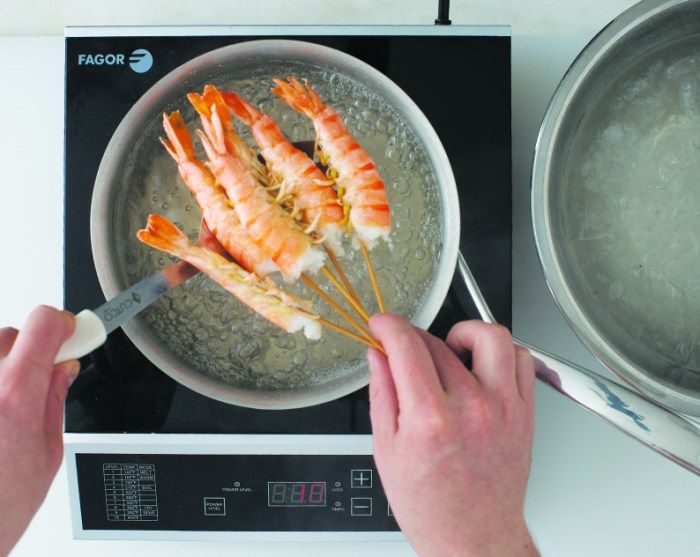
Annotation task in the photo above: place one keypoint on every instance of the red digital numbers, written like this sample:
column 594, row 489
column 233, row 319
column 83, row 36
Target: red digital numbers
column 296, row 494
column 317, row 493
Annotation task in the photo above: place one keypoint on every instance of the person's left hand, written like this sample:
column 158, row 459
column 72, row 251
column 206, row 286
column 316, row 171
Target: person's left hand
column 32, row 393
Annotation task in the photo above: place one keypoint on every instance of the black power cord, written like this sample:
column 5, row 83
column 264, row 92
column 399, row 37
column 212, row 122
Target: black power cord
column 443, row 17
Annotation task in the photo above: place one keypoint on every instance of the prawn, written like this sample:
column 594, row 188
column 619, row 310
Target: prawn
column 234, row 143
column 360, row 187
column 280, row 308
column 220, row 218
column 275, row 231
column 294, row 173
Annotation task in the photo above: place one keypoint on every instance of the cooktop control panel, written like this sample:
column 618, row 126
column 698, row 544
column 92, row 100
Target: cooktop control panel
column 237, row 493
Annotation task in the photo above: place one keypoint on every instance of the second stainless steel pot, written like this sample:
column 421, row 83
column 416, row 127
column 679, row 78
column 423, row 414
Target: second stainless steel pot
column 605, row 303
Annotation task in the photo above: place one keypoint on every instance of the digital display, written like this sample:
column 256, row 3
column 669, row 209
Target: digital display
column 296, row 494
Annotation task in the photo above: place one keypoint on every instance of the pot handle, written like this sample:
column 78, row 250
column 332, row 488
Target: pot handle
column 660, row 429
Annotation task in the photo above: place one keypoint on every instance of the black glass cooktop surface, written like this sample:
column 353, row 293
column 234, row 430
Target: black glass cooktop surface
column 461, row 83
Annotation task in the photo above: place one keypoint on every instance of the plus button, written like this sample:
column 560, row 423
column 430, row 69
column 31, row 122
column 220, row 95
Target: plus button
column 361, row 479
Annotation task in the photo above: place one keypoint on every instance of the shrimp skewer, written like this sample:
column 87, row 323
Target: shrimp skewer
column 280, row 308
column 360, row 187
column 288, row 313
column 294, row 172
column 275, row 232
column 220, row 218
column 298, row 177
column 359, row 184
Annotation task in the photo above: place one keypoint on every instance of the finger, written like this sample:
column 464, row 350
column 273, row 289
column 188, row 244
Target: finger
column 7, row 339
column 383, row 404
column 492, row 351
column 454, row 376
column 30, row 361
column 525, row 373
column 62, row 376
column 412, row 368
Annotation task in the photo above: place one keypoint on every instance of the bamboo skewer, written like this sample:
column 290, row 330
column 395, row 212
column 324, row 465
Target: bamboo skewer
column 350, row 334
column 348, row 298
column 341, row 272
column 308, row 281
column 373, row 278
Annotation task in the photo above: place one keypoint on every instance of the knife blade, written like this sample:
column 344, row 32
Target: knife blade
column 93, row 326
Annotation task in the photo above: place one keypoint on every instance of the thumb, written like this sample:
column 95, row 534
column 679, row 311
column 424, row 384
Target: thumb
column 62, row 376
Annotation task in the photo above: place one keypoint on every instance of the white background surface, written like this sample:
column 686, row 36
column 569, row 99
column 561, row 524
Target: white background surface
column 533, row 17
column 592, row 490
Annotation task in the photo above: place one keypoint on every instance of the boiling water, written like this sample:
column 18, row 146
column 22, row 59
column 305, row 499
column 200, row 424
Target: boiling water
column 633, row 204
column 209, row 329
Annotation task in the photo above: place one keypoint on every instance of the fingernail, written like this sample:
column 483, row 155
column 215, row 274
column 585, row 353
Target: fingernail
column 72, row 370
column 69, row 315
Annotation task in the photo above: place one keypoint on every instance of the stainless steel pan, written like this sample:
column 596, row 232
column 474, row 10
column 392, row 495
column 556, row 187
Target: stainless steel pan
column 202, row 337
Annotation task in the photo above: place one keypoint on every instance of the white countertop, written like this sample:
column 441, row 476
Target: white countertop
column 592, row 490
column 539, row 17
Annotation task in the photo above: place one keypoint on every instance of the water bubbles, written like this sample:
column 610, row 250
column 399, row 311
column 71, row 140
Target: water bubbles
column 633, row 227
column 688, row 96
column 299, row 132
column 616, row 290
column 400, row 184
column 613, row 133
column 363, row 128
column 382, row 123
column 370, row 115
column 695, row 139
column 286, row 342
column 684, row 66
column 249, row 349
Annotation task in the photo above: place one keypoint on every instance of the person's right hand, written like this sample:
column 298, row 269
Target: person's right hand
column 32, row 392
column 452, row 446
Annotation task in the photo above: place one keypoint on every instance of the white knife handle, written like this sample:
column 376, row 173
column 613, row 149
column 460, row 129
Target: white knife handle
column 89, row 334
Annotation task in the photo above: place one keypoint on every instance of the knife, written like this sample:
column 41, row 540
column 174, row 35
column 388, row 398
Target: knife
column 93, row 326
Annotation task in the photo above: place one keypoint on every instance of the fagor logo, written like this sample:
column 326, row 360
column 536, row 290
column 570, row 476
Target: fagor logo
column 140, row 60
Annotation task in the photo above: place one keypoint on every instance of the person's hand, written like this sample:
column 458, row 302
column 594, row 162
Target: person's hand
column 32, row 393
column 452, row 446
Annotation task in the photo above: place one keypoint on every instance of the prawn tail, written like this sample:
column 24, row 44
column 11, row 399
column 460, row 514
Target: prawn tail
column 243, row 110
column 179, row 143
column 199, row 104
column 163, row 235
column 301, row 98
column 315, row 99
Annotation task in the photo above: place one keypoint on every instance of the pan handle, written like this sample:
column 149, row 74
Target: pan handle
column 656, row 427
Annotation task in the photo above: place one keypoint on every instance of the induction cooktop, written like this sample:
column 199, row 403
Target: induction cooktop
column 148, row 457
